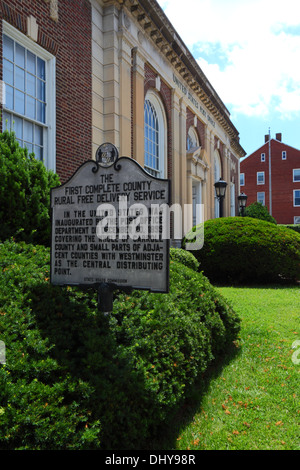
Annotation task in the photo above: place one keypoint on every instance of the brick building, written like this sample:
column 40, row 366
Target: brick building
column 81, row 73
column 282, row 197
column 46, row 68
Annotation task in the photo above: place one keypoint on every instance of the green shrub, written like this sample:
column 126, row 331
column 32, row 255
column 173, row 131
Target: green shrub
column 257, row 210
column 184, row 257
column 243, row 249
column 76, row 379
column 292, row 227
column 24, row 193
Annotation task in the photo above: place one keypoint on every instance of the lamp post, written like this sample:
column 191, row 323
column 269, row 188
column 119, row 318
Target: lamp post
column 242, row 198
column 220, row 187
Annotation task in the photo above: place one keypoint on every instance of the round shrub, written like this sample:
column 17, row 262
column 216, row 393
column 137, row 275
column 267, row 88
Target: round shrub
column 243, row 249
column 184, row 257
column 24, row 193
column 257, row 210
column 76, row 379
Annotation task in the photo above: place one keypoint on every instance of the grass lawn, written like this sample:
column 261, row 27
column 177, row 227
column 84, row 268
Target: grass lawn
column 251, row 400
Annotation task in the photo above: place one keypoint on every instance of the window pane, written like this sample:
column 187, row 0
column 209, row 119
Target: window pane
column 38, row 151
column 31, row 60
column 8, row 72
column 20, row 56
column 19, row 102
column 41, row 69
column 41, row 112
column 28, row 146
column 9, row 97
column 18, row 127
column 19, row 78
column 8, row 48
column 38, row 135
column 6, row 121
column 30, row 107
column 41, row 90
column 28, row 131
column 30, row 84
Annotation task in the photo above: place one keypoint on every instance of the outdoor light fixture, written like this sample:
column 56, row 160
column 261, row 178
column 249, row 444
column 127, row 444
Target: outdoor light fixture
column 220, row 187
column 242, row 198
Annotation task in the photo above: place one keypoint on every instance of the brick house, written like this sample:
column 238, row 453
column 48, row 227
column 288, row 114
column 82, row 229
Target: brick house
column 84, row 72
column 282, row 197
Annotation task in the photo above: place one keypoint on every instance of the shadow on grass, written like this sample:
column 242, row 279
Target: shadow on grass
column 181, row 417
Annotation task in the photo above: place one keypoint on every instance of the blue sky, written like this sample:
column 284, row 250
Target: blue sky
column 250, row 52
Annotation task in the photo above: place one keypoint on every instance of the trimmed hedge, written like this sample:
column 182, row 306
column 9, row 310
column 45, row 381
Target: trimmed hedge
column 24, row 193
column 243, row 250
column 76, row 379
column 184, row 257
column 292, row 227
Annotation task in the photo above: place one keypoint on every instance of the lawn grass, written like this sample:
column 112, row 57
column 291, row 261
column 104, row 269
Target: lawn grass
column 250, row 401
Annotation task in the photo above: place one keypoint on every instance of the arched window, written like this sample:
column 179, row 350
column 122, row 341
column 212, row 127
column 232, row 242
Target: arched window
column 192, row 139
column 218, row 171
column 154, row 136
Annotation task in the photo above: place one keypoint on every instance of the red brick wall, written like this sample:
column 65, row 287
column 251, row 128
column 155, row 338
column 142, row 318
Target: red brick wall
column 282, row 179
column 69, row 40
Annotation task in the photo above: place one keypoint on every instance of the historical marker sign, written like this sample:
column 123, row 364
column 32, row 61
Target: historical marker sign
column 107, row 226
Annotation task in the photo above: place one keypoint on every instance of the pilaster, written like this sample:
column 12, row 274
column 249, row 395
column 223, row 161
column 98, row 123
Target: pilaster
column 138, row 77
column 125, row 95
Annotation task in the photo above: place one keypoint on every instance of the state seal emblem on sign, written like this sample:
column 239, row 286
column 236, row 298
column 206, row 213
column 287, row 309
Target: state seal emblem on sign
column 107, row 155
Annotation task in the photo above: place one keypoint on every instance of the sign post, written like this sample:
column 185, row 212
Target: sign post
column 108, row 228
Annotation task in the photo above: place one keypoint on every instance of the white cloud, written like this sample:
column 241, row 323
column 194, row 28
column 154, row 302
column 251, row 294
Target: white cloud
column 246, row 50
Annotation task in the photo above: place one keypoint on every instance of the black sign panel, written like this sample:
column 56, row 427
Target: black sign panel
column 107, row 226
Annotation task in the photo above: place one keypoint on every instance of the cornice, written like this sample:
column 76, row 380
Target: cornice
column 161, row 32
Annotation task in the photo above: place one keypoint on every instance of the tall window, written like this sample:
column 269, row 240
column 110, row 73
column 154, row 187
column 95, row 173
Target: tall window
column 28, row 108
column 296, row 197
column 154, row 136
column 260, row 177
column 296, row 175
column 261, row 198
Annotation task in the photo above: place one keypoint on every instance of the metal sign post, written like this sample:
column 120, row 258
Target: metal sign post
column 107, row 228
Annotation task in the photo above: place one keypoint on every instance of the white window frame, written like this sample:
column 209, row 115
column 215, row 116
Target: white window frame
column 294, row 197
column 297, row 220
column 162, row 125
column 284, row 155
column 296, row 180
column 257, row 175
column 49, row 141
column 242, row 179
column 263, row 157
column 263, row 194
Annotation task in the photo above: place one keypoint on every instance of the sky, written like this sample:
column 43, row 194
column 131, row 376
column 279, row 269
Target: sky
column 250, row 52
